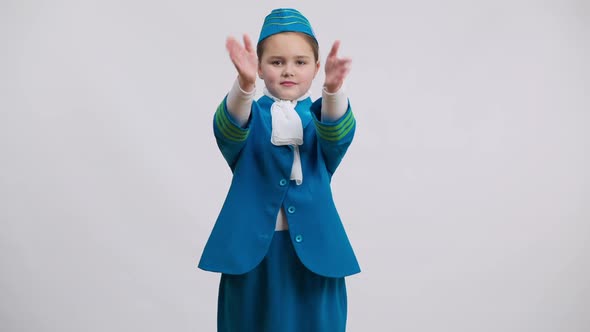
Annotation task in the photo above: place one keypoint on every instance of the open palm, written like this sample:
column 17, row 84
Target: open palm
column 244, row 59
column 336, row 69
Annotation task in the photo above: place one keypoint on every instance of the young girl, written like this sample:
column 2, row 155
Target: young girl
column 279, row 241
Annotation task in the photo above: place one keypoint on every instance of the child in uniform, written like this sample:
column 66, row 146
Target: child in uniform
column 278, row 241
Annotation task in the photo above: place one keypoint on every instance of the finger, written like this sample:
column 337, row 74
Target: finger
column 334, row 50
column 344, row 69
column 248, row 43
column 231, row 43
column 346, row 61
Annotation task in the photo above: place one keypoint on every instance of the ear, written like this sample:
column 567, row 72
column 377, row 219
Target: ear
column 317, row 68
column 260, row 73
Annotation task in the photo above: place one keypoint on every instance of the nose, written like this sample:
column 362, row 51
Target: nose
column 288, row 70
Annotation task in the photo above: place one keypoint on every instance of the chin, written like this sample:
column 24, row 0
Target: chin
column 285, row 95
column 290, row 96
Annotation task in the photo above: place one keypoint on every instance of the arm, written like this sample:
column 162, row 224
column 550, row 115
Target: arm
column 239, row 99
column 229, row 135
column 334, row 105
column 333, row 118
column 334, row 137
column 230, row 123
column 239, row 104
column 335, row 101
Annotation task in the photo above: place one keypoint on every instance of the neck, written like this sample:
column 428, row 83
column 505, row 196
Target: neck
column 267, row 93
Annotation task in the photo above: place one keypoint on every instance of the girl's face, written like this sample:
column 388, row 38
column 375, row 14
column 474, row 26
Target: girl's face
column 288, row 65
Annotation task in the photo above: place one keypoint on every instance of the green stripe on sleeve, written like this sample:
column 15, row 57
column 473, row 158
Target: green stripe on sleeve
column 227, row 128
column 338, row 131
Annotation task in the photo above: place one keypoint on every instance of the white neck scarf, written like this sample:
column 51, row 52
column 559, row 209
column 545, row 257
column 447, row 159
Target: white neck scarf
column 287, row 130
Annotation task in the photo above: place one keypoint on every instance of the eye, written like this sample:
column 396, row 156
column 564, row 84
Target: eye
column 276, row 62
column 301, row 62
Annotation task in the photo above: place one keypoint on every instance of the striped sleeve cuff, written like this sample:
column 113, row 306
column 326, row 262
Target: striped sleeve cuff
column 227, row 127
column 335, row 131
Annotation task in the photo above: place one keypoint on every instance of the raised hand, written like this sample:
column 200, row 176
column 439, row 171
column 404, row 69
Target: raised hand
column 336, row 69
column 245, row 61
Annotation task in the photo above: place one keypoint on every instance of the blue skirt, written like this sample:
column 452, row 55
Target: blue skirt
column 281, row 295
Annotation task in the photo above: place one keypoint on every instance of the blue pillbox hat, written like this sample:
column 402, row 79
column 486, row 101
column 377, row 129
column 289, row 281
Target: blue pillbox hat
column 285, row 20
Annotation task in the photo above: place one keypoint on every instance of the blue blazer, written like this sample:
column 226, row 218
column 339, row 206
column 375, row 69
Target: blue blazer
column 260, row 185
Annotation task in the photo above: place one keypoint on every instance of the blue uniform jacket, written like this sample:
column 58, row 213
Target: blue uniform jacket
column 260, row 185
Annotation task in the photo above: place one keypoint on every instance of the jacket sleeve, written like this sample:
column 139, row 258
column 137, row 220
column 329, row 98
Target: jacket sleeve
column 230, row 137
column 334, row 137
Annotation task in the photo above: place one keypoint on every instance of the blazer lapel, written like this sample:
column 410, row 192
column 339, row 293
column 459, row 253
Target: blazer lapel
column 303, row 109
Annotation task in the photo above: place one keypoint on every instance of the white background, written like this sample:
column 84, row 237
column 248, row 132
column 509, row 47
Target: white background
column 466, row 193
